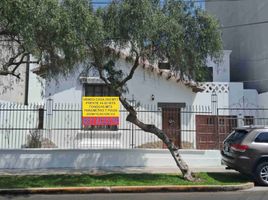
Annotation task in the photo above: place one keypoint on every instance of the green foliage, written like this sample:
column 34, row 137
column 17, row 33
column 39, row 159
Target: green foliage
column 175, row 32
column 86, row 180
column 47, row 29
column 63, row 33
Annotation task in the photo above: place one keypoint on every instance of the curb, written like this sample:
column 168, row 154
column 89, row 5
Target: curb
column 128, row 189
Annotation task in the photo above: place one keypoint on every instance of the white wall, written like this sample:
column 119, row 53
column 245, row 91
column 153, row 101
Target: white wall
column 146, row 83
column 36, row 86
column 243, row 100
column 236, row 95
column 86, row 159
column 229, row 95
column 65, row 89
column 204, row 98
column 263, row 100
column 221, row 71
column 251, row 97
column 12, row 89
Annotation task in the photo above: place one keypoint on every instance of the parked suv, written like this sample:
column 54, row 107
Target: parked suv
column 246, row 150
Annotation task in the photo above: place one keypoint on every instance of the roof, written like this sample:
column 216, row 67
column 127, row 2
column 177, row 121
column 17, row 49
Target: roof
column 167, row 74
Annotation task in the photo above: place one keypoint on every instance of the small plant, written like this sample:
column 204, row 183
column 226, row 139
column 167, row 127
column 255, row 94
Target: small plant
column 34, row 139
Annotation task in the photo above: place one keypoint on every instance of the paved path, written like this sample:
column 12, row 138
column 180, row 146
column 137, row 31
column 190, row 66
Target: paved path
column 110, row 170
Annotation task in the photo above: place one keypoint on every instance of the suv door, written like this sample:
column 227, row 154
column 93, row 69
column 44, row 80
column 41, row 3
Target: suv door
column 260, row 145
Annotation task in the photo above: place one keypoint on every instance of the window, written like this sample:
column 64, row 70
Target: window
column 221, row 121
column 248, row 120
column 99, row 90
column 236, row 136
column 232, row 121
column 262, row 138
column 210, row 120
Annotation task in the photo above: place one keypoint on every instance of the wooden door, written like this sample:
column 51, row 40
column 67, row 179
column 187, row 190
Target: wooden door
column 171, row 124
column 206, row 132
column 211, row 130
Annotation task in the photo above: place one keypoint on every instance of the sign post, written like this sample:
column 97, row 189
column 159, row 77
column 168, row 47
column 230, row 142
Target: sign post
column 100, row 111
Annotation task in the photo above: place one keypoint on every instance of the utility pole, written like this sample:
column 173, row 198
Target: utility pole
column 26, row 91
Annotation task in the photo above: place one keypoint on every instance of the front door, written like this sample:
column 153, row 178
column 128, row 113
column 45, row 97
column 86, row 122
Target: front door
column 171, row 124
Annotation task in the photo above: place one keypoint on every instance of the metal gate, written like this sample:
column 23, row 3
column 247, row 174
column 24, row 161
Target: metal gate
column 211, row 130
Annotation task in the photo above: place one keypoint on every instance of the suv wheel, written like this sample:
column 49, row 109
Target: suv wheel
column 261, row 173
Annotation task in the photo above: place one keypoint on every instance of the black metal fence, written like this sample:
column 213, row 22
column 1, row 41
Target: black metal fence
column 59, row 125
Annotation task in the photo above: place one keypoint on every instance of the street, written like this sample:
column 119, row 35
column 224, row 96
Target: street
column 259, row 193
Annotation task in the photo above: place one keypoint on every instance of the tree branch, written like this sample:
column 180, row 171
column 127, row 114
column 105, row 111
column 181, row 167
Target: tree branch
column 11, row 62
column 97, row 64
column 126, row 105
column 17, row 64
column 5, row 73
column 131, row 73
column 5, row 32
column 102, row 77
column 12, row 59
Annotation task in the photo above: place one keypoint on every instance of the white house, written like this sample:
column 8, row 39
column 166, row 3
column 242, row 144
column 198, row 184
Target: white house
column 161, row 98
column 153, row 90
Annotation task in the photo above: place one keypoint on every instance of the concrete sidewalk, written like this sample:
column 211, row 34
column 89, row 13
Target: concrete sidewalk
column 110, row 170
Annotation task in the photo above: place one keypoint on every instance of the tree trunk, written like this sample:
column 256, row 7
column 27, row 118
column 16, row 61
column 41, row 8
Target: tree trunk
column 132, row 117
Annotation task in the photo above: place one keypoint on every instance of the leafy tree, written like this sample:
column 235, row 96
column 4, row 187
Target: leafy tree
column 60, row 34
column 47, row 29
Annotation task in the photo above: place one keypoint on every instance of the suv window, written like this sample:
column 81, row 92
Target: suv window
column 262, row 138
column 236, row 136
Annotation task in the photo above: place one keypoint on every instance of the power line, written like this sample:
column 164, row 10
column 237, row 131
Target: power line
column 253, row 81
column 242, row 25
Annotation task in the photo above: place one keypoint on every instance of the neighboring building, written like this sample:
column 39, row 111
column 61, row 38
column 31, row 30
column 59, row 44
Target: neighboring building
column 244, row 32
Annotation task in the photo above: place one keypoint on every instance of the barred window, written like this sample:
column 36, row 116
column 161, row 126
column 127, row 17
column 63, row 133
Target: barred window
column 99, row 90
column 249, row 120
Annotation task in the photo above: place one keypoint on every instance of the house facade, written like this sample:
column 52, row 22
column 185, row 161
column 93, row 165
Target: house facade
column 162, row 98
column 193, row 115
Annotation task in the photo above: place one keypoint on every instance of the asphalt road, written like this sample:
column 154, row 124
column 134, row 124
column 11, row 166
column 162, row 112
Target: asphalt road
column 256, row 194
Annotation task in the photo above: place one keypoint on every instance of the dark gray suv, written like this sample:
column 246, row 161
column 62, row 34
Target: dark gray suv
column 246, row 150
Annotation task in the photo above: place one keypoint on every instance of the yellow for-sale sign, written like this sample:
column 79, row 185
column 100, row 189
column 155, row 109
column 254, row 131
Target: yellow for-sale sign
column 100, row 111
